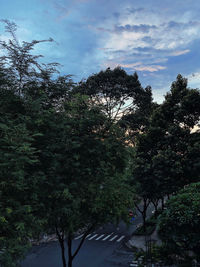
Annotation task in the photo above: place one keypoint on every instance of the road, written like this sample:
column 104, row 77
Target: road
column 103, row 248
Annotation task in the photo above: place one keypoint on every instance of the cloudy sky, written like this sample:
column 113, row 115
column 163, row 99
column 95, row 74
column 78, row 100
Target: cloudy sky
column 156, row 38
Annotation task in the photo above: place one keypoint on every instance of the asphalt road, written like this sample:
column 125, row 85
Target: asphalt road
column 103, row 248
column 92, row 254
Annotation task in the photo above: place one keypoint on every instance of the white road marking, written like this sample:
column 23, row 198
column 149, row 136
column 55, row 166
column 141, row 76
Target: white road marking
column 113, row 238
column 105, row 238
column 88, row 235
column 99, row 237
column 120, row 238
column 78, row 237
column 92, row 237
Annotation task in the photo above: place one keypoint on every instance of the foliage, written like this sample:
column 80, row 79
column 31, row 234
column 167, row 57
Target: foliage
column 18, row 61
column 179, row 223
column 24, row 96
column 149, row 229
column 84, row 166
column 165, row 150
column 17, row 159
column 118, row 93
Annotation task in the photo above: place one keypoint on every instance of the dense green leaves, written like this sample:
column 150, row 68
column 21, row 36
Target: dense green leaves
column 17, row 159
column 179, row 223
column 163, row 153
column 118, row 93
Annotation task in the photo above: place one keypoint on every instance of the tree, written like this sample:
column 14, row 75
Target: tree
column 117, row 92
column 27, row 93
column 179, row 223
column 84, row 166
column 192, row 159
column 30, row 79
column 165, row 148
column 18, row 223
column 174, row 120
column 19, row 63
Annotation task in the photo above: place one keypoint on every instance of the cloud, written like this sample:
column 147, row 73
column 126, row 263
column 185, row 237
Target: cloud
column 194, row 79
column 117, row 63
column 130, row 65
column 133, row 10
column 147, row 39
column 163, row 52
column 177, row 25
column 144, row 28
column 141, row 28
column 152, row 68
column 136, row 66
column 180, row 52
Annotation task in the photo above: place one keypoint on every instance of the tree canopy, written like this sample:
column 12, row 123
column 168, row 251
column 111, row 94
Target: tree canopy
column 179, row 223
column 118, row 92
column 62, row 168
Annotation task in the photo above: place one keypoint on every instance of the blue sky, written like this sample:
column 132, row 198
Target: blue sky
column 156, row 38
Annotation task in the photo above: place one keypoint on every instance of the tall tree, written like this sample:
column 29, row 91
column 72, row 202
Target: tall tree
column 119, row 93
column 18, row 180
column 84, row 166
column 164, row 150
column 27, row 94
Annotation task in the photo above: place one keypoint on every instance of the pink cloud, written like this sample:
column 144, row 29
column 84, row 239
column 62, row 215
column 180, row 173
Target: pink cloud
column 180, row 52
column 152, row 68
column 137, row 66
column 113, row 64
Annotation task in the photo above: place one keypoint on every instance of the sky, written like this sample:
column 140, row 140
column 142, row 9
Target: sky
column 156, row 38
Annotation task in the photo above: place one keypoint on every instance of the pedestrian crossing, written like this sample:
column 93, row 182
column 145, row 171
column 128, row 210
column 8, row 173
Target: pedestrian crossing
column 111, row 237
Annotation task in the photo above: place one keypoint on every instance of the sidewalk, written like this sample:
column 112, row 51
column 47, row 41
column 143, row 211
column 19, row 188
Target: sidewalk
column 44, row 239
column 139, row 241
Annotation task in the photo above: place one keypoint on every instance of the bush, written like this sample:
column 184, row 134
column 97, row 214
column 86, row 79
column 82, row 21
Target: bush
column 150, row 227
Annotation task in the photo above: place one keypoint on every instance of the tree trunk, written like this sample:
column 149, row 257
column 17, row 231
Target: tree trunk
column 70, row 258
column 62, row 246
column 63, row 253
column 143, row 212
column 155, row 204
column 162, row 203
column 69, row 243
column 144, row 220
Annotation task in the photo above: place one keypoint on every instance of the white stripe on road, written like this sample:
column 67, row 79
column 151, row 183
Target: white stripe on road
column 120, row 238
column 105, row 238
column 92, row 237
column 113, row 238
column 99, row 237
column 78, row 237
